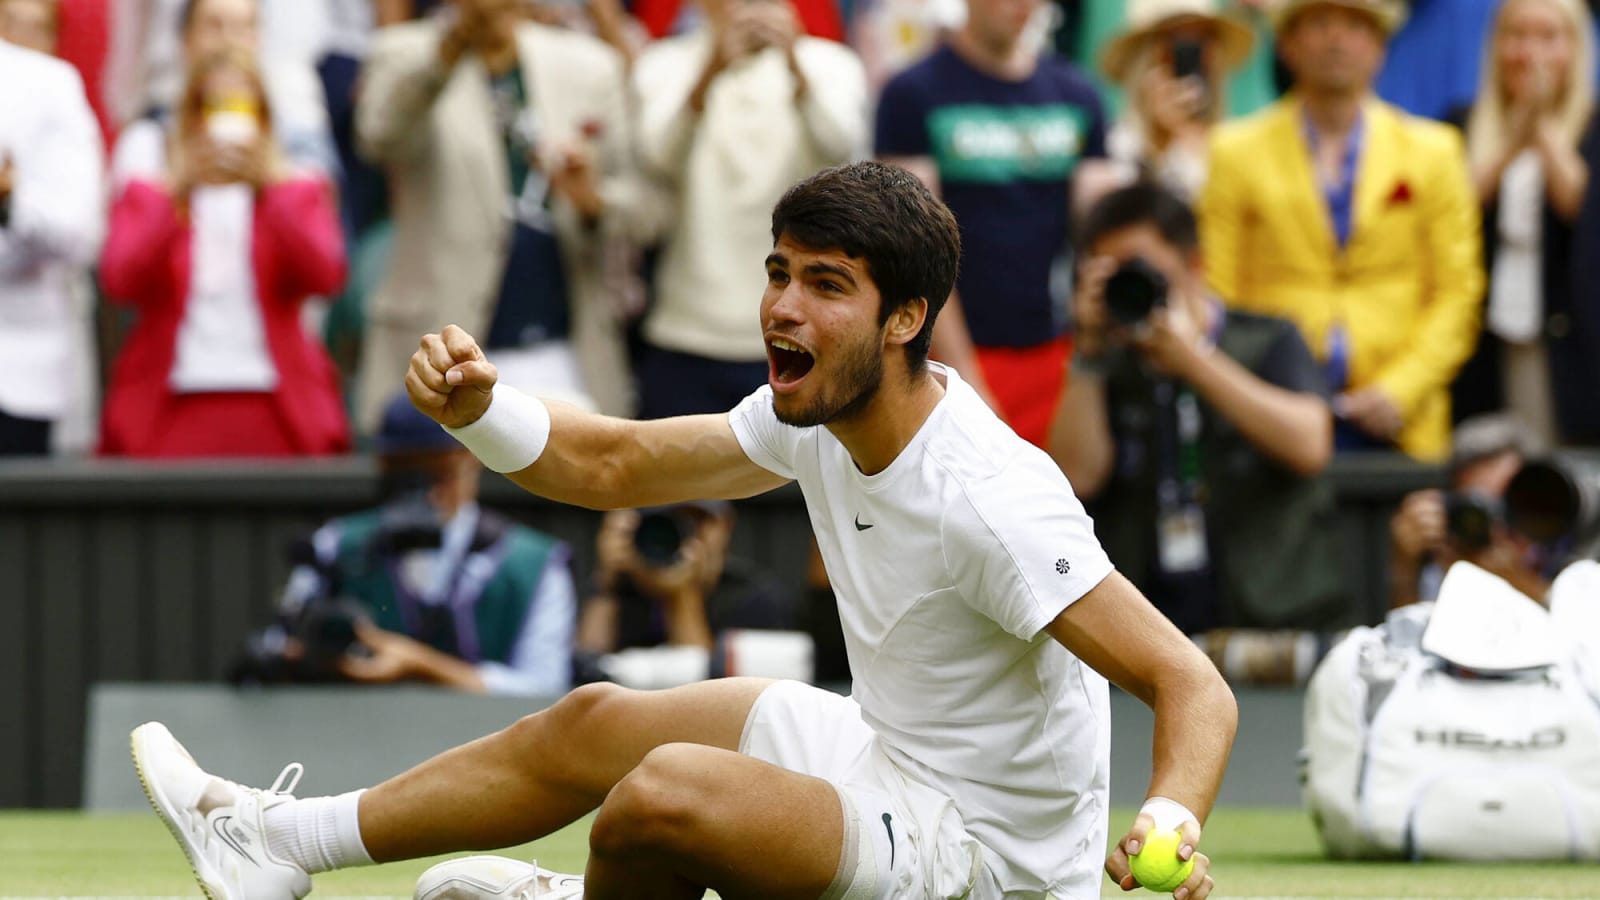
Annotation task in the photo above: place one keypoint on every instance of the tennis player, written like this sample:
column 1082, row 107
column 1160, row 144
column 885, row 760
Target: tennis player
column 981, row 616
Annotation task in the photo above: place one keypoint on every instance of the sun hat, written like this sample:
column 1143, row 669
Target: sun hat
column 1146, row 18
column 1387, row 14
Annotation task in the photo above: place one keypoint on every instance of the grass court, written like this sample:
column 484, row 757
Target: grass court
column 1256, row 853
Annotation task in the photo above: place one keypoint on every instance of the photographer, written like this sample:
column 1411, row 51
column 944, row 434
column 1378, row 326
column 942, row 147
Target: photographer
column 452, row 594
column 1196, row 434
column 1433, row 529
column 665, row 579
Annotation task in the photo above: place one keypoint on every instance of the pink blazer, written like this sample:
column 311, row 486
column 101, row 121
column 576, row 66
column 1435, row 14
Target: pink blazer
column 298, row 251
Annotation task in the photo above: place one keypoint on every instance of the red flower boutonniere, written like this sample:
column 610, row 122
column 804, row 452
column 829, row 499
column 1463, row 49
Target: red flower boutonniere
column 1401, row 193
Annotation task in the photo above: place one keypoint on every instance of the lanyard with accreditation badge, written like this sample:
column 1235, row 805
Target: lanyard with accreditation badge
column 1180, row 518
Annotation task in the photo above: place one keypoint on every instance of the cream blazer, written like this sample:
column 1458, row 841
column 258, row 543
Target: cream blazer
column 434, row 132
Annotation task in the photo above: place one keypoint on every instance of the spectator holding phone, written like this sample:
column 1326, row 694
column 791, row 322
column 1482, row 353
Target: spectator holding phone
column 218, row 255
column 1172, row 60
column 1539, row 353
column 168, row 37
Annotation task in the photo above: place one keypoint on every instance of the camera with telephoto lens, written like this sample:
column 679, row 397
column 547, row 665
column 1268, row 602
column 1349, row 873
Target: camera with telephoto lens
column 1470, row 519
column 1135, row 291
column 661, row 533
column 1556, row 500
column 315, row 631
column 1553, row 502
column 311, row 634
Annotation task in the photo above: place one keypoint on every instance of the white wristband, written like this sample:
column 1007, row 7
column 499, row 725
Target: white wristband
column 1169, row 815
column 511, row 433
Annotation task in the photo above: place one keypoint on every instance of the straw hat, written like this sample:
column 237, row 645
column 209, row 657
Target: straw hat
column 1387, row 14
column 1147, row 17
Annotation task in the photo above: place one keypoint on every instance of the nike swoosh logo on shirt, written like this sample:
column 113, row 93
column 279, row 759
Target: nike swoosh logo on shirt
column 859, row 526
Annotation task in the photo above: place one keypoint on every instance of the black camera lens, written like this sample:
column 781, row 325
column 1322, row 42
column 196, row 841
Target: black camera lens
column 1134, row 291
column 1469, row 521
column 1544, row 502
column 659, row 537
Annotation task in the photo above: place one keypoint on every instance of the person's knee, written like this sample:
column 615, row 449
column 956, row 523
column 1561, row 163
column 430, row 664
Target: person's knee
column 553, row 739
column 658, row 807
column 581, row 708
column 584, row 705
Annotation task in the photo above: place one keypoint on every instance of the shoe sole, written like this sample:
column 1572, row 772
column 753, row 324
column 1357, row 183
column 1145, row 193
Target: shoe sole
column 158, row 803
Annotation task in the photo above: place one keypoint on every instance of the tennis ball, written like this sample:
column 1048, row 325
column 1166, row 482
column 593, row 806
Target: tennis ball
column 1157, row 865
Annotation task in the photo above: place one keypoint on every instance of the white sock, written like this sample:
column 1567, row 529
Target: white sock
column 319, row 834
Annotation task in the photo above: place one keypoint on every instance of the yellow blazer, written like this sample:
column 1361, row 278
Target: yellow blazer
column 1407, row 286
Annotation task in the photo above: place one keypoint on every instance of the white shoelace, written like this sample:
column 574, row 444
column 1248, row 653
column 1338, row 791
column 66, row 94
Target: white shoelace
column 278, row 786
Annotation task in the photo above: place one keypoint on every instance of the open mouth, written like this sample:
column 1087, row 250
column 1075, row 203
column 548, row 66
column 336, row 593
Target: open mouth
column 789, row 361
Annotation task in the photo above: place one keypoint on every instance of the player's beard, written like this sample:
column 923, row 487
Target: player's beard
column 845, row 395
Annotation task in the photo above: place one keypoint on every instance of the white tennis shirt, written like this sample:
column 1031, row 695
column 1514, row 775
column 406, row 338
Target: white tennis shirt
column 947, row 565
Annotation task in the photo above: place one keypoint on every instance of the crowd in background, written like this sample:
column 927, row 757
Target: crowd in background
column 224, row 224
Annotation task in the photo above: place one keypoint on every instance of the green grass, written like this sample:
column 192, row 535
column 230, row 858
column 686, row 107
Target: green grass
column 1256, row 853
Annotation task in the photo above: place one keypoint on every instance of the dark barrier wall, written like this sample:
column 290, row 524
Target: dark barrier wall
column 118, row 572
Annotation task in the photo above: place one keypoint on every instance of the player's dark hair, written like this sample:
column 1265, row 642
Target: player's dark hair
column 1142, row 203
column 884, row 215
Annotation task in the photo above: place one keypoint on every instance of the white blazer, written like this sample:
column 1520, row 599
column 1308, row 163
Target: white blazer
column 56, row 223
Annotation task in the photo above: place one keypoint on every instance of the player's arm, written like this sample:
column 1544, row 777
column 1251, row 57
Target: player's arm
column 590, row 460
column 601, row 462
column 1116, row 631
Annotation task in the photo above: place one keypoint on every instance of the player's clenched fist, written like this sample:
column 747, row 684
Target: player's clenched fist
column 450, row 379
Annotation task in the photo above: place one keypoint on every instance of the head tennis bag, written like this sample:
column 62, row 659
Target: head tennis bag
column 1463, row 729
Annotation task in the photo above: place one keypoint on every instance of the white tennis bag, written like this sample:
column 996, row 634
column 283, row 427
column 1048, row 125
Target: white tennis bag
column 1463, row 729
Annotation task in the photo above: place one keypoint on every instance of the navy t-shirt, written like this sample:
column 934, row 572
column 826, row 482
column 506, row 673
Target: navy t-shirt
column 1005, row 152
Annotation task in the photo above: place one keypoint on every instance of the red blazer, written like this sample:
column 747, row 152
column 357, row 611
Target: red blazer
column 298, row 251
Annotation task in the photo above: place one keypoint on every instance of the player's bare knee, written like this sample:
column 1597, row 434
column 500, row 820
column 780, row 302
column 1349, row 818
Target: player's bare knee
column 554, row 742
column 568, row 717
column 583, row 706
column 658, row 807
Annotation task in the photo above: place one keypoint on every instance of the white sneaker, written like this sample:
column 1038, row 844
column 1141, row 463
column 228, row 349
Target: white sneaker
column 495, row 878
column 217, row 823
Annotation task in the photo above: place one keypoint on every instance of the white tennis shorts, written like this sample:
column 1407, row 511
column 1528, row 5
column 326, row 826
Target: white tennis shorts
column 903, row 840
